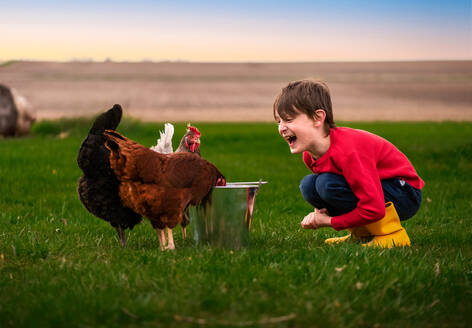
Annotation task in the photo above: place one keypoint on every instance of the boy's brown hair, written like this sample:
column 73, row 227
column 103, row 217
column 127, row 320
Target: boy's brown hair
column 305, row 96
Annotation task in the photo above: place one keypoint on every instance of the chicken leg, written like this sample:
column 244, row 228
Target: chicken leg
column 184, row 223
column 121, row 235
column 171, row 245
column 162, row 238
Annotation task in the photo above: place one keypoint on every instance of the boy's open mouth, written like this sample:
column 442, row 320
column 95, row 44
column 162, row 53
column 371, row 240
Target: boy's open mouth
column 291, row 140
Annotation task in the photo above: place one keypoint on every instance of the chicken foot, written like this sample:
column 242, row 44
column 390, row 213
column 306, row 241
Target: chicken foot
column 122, row 235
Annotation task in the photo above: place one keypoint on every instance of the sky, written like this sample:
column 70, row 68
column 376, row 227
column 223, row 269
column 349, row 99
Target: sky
column 236, row 31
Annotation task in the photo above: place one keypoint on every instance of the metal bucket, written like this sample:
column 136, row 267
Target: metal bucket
column 225, row 220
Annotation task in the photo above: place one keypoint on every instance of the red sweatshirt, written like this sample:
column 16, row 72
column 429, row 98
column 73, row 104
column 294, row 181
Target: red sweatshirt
column 364, row 159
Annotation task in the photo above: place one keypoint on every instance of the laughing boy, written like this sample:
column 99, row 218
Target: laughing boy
column 360, row 182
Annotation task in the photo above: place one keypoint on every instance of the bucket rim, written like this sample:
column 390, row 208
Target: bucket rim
column 239, row 186
column 247, row 183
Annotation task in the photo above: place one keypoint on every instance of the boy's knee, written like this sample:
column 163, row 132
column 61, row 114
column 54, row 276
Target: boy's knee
column 412, row 207
column 328, row 186
column 307, row 185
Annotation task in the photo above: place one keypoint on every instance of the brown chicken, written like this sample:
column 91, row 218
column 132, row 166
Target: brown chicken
column 158, row 186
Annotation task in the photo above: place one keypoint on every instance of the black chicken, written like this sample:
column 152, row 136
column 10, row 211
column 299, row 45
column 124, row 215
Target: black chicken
column 98, row 187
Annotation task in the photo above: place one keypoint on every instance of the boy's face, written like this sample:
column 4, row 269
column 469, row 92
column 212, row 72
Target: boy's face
column 299, row 131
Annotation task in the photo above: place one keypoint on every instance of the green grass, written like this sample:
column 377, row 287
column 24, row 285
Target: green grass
column 60, row 266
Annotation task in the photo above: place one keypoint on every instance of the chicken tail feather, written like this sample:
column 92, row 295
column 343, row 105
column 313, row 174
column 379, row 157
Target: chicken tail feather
column 122, row 153
column 113, row 146
column 107, row 121
column 113, row 140
column 114, row 134
column 164, row 143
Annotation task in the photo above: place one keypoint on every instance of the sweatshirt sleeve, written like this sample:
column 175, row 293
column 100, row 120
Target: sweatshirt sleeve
column 360, row 172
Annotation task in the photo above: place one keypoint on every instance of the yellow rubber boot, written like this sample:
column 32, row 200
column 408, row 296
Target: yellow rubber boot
column 338, row 240
column 388, row 232
column 357, row 234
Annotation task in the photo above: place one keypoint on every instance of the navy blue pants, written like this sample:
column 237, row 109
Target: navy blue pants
column 331, row 191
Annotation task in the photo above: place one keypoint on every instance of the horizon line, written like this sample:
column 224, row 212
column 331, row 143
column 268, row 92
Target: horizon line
column 179, row 61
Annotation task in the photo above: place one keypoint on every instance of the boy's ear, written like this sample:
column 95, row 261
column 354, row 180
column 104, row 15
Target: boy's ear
column 320, row 116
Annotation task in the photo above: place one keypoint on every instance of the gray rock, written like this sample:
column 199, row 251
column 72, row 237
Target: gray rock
column 26, row 114
column 16, row 113
column 8, row 112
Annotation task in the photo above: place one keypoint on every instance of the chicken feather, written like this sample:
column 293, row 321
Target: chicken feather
column 164, row 143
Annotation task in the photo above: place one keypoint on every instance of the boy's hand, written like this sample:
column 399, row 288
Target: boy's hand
column 316, row 219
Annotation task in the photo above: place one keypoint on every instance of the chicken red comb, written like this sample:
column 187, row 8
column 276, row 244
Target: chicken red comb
column 194, row 130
